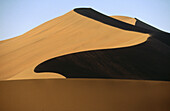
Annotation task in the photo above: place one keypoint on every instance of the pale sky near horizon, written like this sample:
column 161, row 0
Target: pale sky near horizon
column 20, row 16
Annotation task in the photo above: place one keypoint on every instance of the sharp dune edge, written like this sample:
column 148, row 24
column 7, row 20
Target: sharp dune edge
column 128, row 20
column 22, row 89
column 69, row 33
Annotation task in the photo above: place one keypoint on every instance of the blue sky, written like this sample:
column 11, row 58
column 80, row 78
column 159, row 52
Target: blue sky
column 20, row 16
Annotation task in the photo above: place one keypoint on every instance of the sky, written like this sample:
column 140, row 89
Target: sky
column 20, row 16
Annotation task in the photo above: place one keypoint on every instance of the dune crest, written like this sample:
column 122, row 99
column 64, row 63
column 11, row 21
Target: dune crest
column 66, row 34
column 86, row 61
column 126, row 19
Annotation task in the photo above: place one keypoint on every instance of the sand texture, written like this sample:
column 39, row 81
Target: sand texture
column 67, row 34
column 86, row 61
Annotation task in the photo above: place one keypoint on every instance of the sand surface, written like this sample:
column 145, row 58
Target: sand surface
column 66, row 34
column 126, row 19
column 84, row 95
column 74, row 35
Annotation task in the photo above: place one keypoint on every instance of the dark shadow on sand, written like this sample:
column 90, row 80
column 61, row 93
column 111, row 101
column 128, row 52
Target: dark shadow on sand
column 156, row 33
column 93, row 14
column 147, row 61
column 138, row 27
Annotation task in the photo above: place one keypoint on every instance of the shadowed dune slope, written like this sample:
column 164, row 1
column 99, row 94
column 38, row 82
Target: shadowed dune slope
column 150, row 60
column 86, row 44
column 139, row 23
column 156, row 33
column 84, row 95
column 125, row 23
column 64, row 35
column 93, row 14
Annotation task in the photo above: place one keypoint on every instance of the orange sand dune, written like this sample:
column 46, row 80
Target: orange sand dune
column 127, row 47
column 66, row 34
column 126, row 19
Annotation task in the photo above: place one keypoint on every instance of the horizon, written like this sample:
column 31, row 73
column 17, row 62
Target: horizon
column 20, row 16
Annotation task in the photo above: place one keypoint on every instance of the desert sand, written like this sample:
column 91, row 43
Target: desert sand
column 84, row 95
column 126, row 19
column 67, row 34
column 62, row 64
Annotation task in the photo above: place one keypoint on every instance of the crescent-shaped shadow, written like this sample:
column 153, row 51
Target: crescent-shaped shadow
column 147, row 61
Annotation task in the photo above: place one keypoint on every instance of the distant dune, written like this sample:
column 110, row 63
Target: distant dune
column 117, row 62
column 125, row 19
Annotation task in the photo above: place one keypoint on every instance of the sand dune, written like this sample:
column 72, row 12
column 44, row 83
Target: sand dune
column 126, row 19
column 147, row 61
column 67, row 34
column 36, row 67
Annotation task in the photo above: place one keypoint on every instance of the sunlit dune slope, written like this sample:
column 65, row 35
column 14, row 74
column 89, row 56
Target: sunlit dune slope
column 86, row 44
column 134, row 62
column 66, row 34
column 126, row 19
column 147, row 61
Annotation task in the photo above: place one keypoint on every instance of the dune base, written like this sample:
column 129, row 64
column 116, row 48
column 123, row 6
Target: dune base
column 84, row 95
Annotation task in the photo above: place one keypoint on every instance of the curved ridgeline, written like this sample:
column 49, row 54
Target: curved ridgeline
column 88, row 12
column 147, row 61
column 156, row 33
column 139, row 26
